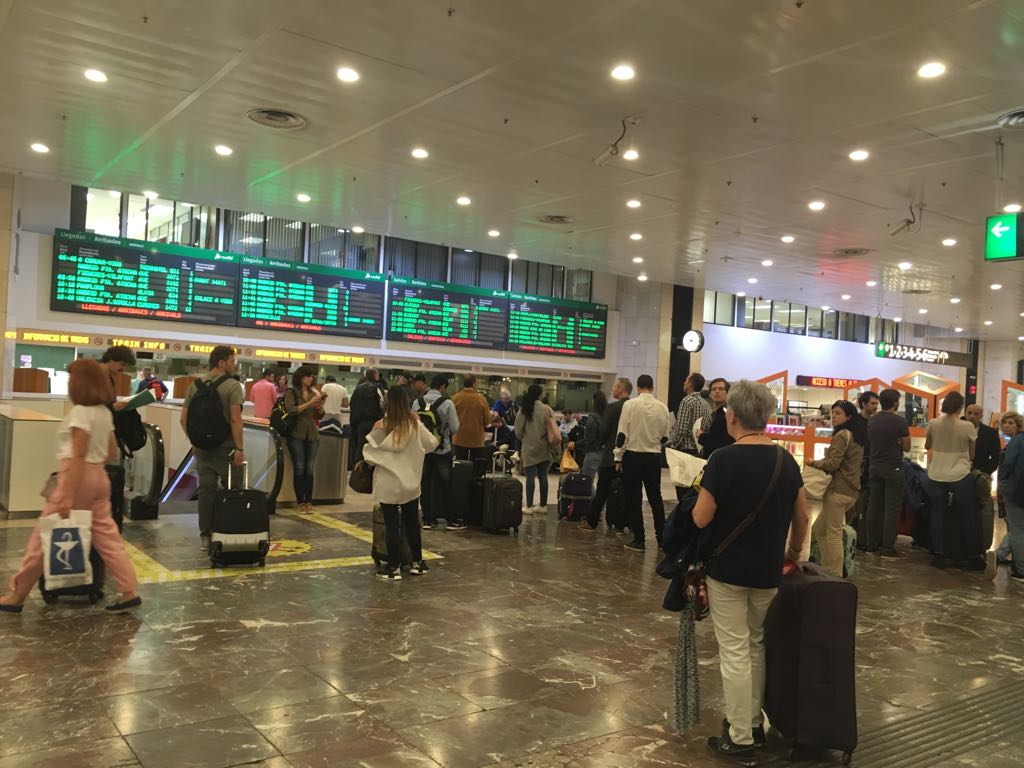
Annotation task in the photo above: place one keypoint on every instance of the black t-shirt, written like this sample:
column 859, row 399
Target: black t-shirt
column 885, row 429
column 737, row 476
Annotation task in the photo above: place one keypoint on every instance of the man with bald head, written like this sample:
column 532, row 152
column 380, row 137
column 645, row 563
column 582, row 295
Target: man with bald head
column 988, row 448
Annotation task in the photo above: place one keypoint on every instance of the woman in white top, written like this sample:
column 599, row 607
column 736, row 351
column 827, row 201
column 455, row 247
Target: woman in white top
column 85, row 445
column 953, row 529
column 396, row 447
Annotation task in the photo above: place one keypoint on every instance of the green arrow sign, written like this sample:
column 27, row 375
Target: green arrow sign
column 1001, row 237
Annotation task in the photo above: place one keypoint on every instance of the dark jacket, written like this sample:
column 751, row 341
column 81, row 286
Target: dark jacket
column 591, row 439
column 364, row 405
column 987, row 450
column 609, row 429
column 715, row 436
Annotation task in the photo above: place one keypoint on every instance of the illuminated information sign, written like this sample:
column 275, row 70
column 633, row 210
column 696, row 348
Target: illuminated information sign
column 96, row 274
column 826, row 381
column 285, row 296
column 556, row 326
column 439, row 313
column 923, row 355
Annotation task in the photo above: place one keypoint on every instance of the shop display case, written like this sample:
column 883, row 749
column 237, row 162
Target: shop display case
column 923, row 394
column 777, row 383
column 871, row 385
column 810, row 443
column 1012, row 398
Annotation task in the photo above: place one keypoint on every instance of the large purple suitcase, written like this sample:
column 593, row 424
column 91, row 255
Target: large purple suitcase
column 574, row 495
column 809, row 637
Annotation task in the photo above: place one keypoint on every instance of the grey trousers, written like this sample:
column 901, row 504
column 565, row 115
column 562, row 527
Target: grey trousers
column 212, row 468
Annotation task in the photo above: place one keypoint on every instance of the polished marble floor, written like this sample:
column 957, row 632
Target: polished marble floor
column 549, row 649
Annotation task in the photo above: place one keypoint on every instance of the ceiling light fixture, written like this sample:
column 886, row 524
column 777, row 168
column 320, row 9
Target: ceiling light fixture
column 638, row 259
column 150, row 195
column 636, row 236
column 223, row 150
column 958, row 329
column 788, row 238
column 846, row 297
column 816, row 205
column 420, row 153
column 752, row 280
column 302, row 197
column 988, row 322
column 39, row 147
column 1011, row 208
column 358, row 230
column 767, row 262
column 642, row 277
column 347, row 75
column 493, row 233
column 897, row 319
column 96, row 75
column 740, row 294
column 922, row 311
column 904, row 266
column 949, row 242
column 463, row 200
column 859, row 155
column 630, row 154
column 995, row 286
column 825, row 308
column 931, row 69
column 623, row 72
column 871, row 283
column 633, row 203
column 512, row 255
column 955, row 300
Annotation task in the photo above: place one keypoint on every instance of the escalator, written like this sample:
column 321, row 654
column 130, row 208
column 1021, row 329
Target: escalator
column 144, row 472
column 264, row 452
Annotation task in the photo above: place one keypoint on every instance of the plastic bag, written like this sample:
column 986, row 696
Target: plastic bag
column 66, row 544
column 683, row 468
column 568, row 463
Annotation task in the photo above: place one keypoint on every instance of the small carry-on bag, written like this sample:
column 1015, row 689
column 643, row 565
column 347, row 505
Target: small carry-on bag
column 379, row 547
column 70, row 565
column 465, row 502
column 849, row 551
column 615, row 507
column 503, row 500
column 241, row 524
column 809, row 637
column 574, row 496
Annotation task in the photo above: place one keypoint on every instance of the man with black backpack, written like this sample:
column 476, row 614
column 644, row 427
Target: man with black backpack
column 437, row 413
column 365, row 409
column 212, row 419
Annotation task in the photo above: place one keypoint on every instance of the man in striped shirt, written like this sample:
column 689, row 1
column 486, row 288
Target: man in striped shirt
column 691, row 408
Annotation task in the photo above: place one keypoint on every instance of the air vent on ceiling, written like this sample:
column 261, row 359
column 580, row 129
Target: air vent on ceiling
column 916, row 291
column 279, row 119
column 553, row 218
column 1012, row 119
column 850, row 253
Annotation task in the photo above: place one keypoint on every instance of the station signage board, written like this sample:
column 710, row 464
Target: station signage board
column 923, row 355
column 1004, row 237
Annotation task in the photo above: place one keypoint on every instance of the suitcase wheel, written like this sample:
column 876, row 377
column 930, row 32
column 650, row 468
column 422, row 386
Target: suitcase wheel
column 262, row 562
column 847, row 758
column 515, row 531
column 94, row 598
column 48, row 597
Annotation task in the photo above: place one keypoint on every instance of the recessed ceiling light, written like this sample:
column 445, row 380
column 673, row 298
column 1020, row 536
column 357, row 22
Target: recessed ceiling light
column 358, row 230
column 630, row 154
column 949, row 242
column 955, row 300
column 897, row 319
column 740, row 294
column 347, row 75
column 96, row 75
column 816, row 205
column 845, row 297
column 871, row 283
column 788, row 238
column 463, row 200
column 465, row 250
column 995, row 286
column 1012, row 208
column 825, row 308
column 958, row 329
column 150, row 195
column 904, row 266
column 420, row 153
column 512, row 255
column 493, row 233
column 767, row 262
column 922, row 311
column 642, row 277
column 932, row 69
column 636, row 236
column 302, row 197
column 752, row 280
column 859, row 155
column 623, row 72
column 633, row 203
column 638, row 259
column 223, row 150
column 39, row 147
column 988, row 322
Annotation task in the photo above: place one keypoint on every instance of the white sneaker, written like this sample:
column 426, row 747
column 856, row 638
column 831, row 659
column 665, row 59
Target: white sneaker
column 527, row 510
column 540, row 510
column 991, row 564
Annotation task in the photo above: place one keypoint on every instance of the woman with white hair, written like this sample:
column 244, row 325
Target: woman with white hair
column 755, row 488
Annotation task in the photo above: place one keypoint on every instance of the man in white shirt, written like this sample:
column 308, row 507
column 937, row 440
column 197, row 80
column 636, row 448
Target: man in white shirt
column 643, row 428
column 335, row 398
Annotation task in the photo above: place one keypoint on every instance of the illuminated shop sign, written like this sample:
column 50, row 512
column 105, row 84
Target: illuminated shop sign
column 923, row 355
column 826, row 381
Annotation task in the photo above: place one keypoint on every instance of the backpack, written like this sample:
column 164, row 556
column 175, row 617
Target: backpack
column 429, row 417
column 206, row 424
column 129, row 431
column 281, row 421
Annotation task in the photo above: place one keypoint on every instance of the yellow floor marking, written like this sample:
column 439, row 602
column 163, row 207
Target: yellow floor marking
column 329, row 521
column 146, row 568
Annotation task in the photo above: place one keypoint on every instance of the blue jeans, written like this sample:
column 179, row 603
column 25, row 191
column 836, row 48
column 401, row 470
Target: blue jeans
column 303, row 461
column 537, row 472
column 592, row 465
column 952, row 521
column 1013, row 544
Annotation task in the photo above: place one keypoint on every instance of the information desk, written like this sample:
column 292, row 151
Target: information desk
column 28, row 454
column 441, row 313
column 101, row 275
column 556, row 326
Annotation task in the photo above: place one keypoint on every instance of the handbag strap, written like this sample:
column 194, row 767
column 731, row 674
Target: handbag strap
column 749, row 519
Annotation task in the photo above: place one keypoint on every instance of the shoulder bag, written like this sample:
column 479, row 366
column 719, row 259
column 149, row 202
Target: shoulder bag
column 695, row 580
column 360, row 479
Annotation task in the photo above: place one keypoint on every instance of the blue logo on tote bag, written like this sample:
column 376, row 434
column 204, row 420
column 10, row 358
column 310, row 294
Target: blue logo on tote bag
column 66, row 553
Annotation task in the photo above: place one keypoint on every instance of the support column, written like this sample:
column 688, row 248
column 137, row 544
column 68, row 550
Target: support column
column 6, row 246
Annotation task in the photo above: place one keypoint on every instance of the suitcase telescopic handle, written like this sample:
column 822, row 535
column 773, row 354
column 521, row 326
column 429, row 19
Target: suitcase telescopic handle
column 245, row 476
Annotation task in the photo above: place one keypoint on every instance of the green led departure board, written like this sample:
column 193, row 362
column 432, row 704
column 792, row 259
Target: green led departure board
column 284, row 296
column 548, row 326
column 102, row 275
column 439, row 313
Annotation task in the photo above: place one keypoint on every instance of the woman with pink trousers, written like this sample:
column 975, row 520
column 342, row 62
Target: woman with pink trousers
column 85, row 444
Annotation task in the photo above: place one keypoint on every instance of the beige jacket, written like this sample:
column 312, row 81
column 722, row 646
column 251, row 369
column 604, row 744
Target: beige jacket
column 842, row 461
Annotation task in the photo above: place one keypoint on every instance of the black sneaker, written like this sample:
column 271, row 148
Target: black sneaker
column 385, row 573
column 1017, row 576
column 635, row 546
column 457, row 526
column 741, row 755
column 758, row 730
column 418, row 569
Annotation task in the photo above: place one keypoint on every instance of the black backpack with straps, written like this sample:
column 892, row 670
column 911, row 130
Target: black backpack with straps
column 206, row 424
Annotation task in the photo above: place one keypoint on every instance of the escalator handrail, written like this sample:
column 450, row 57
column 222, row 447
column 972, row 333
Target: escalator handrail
column 156, row 440
column 279, row 476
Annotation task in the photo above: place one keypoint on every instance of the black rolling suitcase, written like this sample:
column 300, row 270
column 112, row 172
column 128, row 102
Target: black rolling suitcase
column 615, row 506
column 93, row 591
column 379, row 547
column 116, row 475
column 574, row 496
column 809, row 637
column 466, row 501
column 503, row 500
column 241, row 525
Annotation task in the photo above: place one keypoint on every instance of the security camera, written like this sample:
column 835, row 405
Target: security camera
column 612, row 150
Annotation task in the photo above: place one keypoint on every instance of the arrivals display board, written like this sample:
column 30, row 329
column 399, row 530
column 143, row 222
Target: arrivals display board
column 440, row 313
column 547, row 326
column 102, row 275
column 284, row 296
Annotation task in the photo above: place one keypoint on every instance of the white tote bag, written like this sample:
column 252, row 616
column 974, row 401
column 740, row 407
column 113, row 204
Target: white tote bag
column 816, row 482
column 683, row 468
column 66, row 545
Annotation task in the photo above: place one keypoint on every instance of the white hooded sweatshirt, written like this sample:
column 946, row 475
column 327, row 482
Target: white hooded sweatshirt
column 399, row 469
